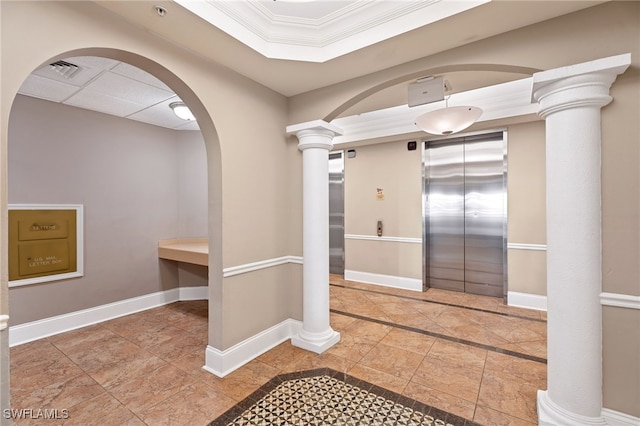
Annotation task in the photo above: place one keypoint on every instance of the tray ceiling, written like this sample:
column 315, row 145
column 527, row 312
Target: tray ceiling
column 318, row 31
column 290, row 46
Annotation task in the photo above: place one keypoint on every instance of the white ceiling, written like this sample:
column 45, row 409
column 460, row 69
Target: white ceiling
column 290, row 46
column 110, row 87
column 318, row 31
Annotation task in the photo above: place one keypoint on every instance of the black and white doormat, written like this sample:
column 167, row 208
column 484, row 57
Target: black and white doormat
column 328, row 397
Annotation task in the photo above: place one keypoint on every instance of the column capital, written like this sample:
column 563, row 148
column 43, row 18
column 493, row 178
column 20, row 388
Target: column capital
column 315, row 125
column 314, row 134
column 575, row 86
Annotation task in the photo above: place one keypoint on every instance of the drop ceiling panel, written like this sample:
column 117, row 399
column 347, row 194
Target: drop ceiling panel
column 160, row 115
column 45, row 88
column 117, row 86
column 102, row 102
column 189, row 125
column 137, row 74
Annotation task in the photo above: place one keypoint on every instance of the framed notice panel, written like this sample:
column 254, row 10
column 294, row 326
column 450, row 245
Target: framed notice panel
column 45, row 243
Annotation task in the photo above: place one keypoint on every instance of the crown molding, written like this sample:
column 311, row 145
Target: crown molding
column 292, row 36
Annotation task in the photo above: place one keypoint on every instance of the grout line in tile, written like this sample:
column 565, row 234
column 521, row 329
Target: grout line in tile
column 484, row 367
column 505, row 314
column 443, row 336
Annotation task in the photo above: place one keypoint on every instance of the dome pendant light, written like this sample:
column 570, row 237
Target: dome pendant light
column 182, row 111
column 446, row 121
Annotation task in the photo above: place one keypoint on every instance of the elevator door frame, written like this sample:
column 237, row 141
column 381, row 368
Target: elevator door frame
column 425, row 206
column 336, row 218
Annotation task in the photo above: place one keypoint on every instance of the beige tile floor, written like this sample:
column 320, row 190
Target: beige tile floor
column 469, row 355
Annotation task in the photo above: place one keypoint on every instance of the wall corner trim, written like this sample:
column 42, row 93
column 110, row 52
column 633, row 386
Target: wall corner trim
column 616, row 418
column 523, row 246
column 262, row 264
column 527, row 300
column 28, row 332
column 383, row 238
column 221, row 363
column 620, row 300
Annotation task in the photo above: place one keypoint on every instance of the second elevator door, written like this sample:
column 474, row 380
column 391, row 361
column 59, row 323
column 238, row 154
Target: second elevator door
column 465, row 215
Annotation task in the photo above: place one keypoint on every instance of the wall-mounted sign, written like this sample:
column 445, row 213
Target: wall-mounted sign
column 45, row 243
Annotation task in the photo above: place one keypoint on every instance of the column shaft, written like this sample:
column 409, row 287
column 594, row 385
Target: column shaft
column 574, row 278
column 315, row 141
column 570, row 100
column 315, row 250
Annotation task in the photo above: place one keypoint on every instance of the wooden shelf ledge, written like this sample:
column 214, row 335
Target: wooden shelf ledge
column 187, row 250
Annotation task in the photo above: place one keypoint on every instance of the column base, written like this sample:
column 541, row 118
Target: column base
column 551, row 414
column 313, row 342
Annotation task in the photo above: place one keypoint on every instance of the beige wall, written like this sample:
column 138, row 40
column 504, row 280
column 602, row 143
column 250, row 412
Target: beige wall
column 621, row 236
column 397, row 172
column 596, row 32
column 277, row 297
column 527, row 269
column 36, row 32
column 621, row 372
column 605, row 30
column 60, row 154
column 235, row 149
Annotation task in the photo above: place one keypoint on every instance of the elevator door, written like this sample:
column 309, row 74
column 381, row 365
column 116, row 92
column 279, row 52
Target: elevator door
column 336, row 213
column 465, row 215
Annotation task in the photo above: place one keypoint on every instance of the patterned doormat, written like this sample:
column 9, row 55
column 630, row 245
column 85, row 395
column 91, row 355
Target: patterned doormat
column 328, row 397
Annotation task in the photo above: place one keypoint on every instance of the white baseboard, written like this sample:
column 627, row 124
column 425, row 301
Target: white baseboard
column 526, row 300
column 28, row 332
column 224, row 362
column 616, row 418
column 552, row 414
column 414, row 284
column 193, row 293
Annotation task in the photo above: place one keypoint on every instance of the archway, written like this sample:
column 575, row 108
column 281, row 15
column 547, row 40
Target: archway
column 440, row 70
column 213, row 161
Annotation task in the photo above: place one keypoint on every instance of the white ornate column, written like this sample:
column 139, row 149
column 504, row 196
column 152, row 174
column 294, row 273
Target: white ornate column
column 315, row 141
column 570, row 101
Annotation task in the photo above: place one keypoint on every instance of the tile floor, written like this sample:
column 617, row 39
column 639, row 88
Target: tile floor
column 324, row 396
column 468, row 355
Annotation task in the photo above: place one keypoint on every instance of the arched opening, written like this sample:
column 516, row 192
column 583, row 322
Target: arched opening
column 483, row 75
column 128, row 176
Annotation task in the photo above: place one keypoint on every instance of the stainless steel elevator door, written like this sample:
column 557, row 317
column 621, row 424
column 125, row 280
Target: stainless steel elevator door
column 465, row 215
column 336, row 213
column 445, row 215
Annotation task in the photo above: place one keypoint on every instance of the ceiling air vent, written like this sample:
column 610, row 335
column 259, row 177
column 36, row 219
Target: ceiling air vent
column 65, row 69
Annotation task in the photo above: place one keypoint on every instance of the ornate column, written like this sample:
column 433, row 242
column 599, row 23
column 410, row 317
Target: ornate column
column 315, row 141
column 570, row 101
